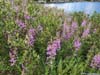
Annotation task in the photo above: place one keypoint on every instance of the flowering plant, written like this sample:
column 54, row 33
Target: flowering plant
column 35, row 40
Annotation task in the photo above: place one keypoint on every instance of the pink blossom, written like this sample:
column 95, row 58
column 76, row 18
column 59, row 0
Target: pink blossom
column 95, row 63
column 86, row 33
column 27, row 17
column 74, row 25
column 77, row 44
column 20, row 23
column 52, row 49
column 12, row 55
column 84, row 23
column 31, row 36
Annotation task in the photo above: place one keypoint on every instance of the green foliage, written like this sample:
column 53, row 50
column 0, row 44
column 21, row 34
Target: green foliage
column 67, row 61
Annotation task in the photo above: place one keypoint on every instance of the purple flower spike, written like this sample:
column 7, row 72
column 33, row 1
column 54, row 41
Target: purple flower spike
column 31, row 36
column 52, row 49
column 84, row 23
column 77, row 44
column 27, row 17
column 74, row 25
column 68, row 31
column 95, row 63
column 86, row 33
column 68, row 36
column 20, row 24
column 12, row 55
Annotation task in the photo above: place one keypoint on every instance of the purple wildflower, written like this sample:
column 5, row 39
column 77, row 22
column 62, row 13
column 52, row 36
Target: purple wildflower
column 27, row 17
column 73, row 27
column 52, row 49
column 20, row 23
column 57, row 43
column 12, row 54
column 77, row 44
column 95, row 63
column 68, row 35
column 86, row 33
column 31, row 36
column 84, row 23
column 70, row 30
column 66, row 31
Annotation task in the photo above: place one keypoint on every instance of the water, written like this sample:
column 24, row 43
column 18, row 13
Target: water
column 86, row 7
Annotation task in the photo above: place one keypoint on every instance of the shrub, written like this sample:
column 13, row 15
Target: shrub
column 35, row 40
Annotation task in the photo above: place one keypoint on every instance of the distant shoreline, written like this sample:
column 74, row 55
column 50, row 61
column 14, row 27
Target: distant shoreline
column 87, row 7
column 64, row 2
column 71, row 2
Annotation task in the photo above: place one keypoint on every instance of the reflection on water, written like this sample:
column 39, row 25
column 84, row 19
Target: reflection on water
column 87, row 7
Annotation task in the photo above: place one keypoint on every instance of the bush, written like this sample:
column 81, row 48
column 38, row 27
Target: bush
column 35, row 40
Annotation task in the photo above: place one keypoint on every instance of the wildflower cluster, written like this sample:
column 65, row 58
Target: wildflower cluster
column 86, row 33
column 84, row 23
column 95, row 63
column 77, row 44
column 68, row 30
column 20, row 23
column 53, row 48
column 31, row 36
column 12, row 55
column 26, row 16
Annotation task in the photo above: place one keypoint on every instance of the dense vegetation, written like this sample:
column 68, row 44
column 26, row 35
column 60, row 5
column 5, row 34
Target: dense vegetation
column 35, row 40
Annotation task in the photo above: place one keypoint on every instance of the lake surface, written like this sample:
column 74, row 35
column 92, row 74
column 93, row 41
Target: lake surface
column 86, row 7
